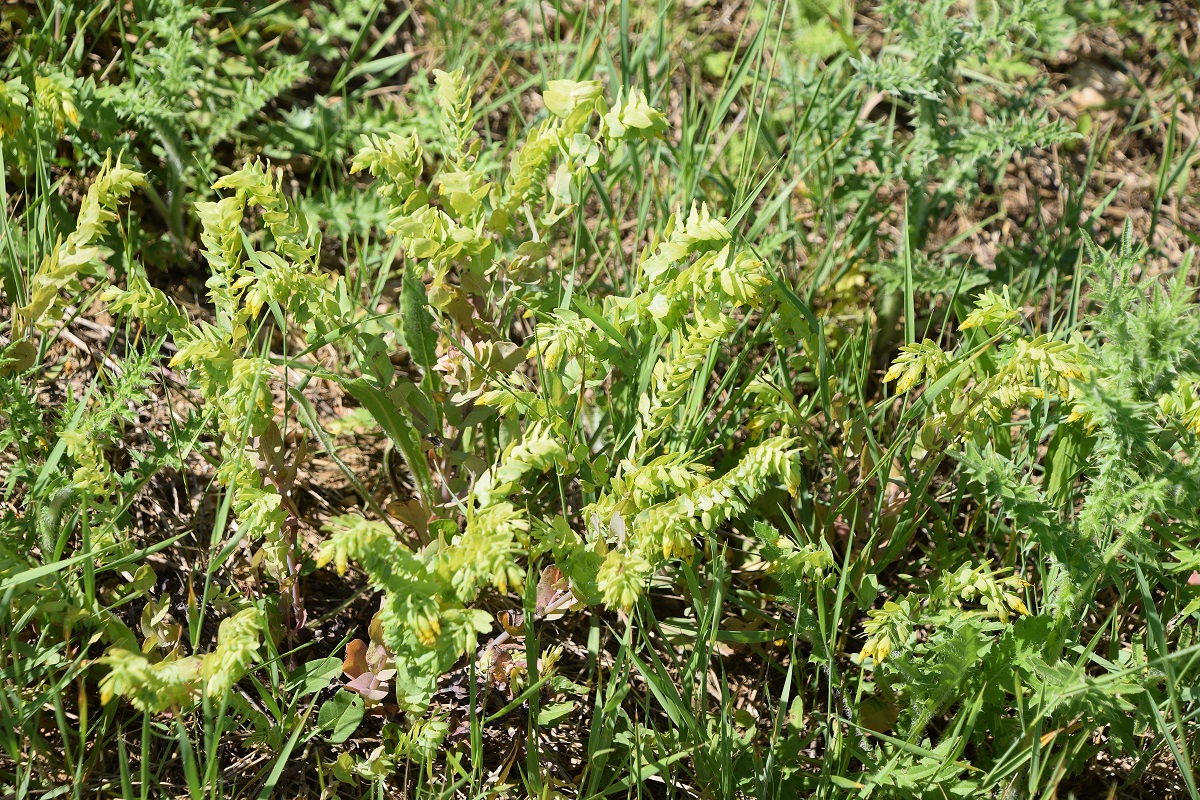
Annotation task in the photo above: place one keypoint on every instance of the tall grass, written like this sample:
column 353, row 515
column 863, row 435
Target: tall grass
column 405, row 414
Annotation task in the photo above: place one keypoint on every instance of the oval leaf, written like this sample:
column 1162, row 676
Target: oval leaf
column 340, row 716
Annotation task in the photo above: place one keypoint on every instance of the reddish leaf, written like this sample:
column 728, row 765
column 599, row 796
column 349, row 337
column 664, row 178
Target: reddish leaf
column 549, row 586
column 355, row 663
column 366, row 686
column 554, row 595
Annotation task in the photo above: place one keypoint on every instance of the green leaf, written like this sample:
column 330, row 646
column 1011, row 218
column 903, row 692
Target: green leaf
column 314, row 676
column 340, row 715
column 399, row 428
column 563, row 97
column 18, row 356
column 551, row 715
column 603, row 324
column 416, row 322
column 1066, row 456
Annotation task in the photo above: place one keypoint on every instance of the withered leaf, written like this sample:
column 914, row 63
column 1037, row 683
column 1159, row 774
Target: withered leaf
column 501, row 665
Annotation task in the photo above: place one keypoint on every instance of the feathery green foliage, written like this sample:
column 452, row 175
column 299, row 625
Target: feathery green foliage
column 445, row 400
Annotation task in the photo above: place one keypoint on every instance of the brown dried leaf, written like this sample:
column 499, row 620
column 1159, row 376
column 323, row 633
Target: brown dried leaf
column 501, row 665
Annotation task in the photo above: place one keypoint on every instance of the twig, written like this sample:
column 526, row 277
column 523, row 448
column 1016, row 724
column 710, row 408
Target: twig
column 86, row 348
